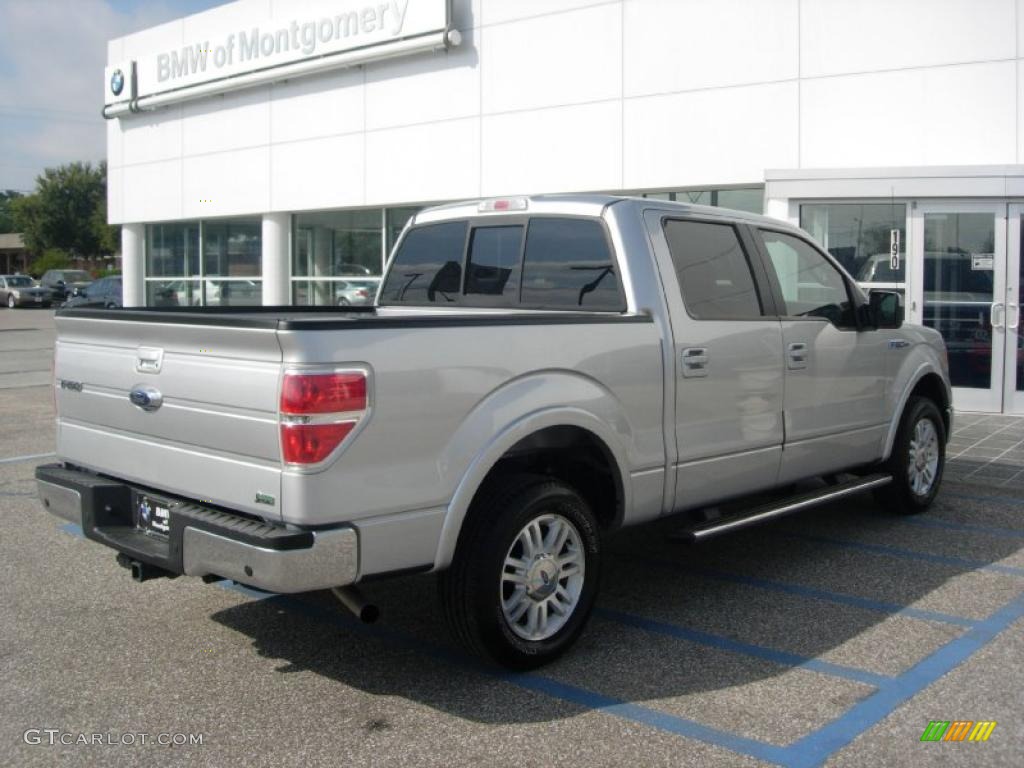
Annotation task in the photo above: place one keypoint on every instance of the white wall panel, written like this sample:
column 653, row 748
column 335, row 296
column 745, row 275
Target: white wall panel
column 150, row 136
column 465, row 14
column 553, row 150
column 152, row 192
column 421, row 89
column 227, row 183
column 115, row 195
column 320, row 173
column 497, row 11
column 725, row 136
column 565, row 58
column 938, row 116
column 677, row 45
column 115, row 143
column 847, row 36
column 322, row 105
column 434, row 161
column 232, row 121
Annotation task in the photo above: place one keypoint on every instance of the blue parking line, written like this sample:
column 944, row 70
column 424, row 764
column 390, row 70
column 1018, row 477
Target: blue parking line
column 812, row 593
column 74, row 530
column 581, row 697
column 808, row 752
column 906, row 554
column 932, row 522
column 817, row 747
column 747, row 649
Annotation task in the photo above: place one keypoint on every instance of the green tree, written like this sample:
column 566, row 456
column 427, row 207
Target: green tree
column 7, row 198
column 67, row 210
column 54, row 258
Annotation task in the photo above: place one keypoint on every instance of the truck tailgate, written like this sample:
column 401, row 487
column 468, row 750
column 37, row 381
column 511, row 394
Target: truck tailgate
column 216, row 432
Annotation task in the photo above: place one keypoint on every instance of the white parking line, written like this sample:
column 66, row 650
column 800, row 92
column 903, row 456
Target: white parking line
column 27, row 457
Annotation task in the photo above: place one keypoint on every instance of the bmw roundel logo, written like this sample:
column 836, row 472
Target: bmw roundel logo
column 117, row 82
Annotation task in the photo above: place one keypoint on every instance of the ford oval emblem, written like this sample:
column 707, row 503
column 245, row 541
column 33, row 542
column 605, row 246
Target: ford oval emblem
column 146, row 397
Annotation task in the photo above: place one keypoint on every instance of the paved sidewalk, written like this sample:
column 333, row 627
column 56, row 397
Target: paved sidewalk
column 988, row 450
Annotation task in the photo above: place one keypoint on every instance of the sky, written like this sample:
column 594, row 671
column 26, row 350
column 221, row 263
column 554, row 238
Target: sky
column 52, row 55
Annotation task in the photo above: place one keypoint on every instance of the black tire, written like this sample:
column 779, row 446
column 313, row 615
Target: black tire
column 471, row 590
column 900, row 496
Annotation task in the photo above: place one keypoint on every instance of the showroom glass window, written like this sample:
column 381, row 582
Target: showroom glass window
column 858, row 237
column 215, row 262
column 337, row 257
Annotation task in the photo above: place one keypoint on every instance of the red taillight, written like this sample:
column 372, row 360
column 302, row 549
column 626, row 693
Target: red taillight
column 363, row 293
column 303, row 393
column 318, row 411
column 312, row 443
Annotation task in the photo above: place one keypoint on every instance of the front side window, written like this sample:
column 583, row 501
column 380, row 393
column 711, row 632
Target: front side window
column 811, row 286
column 568, row 264
column 713, row 272
column 427, row 268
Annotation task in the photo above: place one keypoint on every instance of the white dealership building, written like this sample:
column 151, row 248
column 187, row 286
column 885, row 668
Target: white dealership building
column 270, row 151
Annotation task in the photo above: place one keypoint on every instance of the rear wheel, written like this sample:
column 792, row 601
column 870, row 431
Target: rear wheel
column 525, row 574
column 918, row 459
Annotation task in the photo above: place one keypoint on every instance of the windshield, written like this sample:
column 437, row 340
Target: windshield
column 19, row 282
column 77, row 276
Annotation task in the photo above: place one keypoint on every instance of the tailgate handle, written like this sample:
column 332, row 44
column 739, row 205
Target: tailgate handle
column 149, row 360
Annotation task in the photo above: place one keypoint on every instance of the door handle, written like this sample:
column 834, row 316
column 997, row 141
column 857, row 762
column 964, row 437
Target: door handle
column 796, row 354
column 1016, row 316
column 695, row 362
column 997, row 306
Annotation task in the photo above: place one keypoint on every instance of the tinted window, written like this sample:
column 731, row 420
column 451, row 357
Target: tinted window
column 568, row 265
column 713, row 272
column 811, row 285
column 492, row 270
column 428, row 266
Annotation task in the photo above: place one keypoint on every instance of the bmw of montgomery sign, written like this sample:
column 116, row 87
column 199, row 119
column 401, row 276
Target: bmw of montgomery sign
column 353, row 32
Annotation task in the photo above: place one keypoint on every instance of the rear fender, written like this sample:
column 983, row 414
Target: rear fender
column 519, row 409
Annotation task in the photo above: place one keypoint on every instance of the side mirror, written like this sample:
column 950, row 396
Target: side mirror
column 60, row 283
column 886, row 309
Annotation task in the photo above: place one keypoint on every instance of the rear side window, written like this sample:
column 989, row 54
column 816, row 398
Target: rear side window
column 713, row 272
column 568, row 265
column 428, row 266
column 492, row 269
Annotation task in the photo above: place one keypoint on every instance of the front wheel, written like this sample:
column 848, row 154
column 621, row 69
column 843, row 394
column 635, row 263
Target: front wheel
column 11, row 303
column 918, row 459
column 525, row 574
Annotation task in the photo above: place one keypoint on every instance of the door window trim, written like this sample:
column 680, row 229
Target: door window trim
column 766, row 297
column 853, row 293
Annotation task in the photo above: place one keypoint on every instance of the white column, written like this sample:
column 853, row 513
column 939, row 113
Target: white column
column 276, row 269
column 132, row 238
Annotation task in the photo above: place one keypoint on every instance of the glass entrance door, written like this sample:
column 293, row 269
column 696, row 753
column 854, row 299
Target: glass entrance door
column 959, row 288
column 1013, row 401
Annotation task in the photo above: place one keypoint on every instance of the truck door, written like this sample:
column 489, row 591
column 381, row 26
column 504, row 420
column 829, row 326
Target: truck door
column 728, row 358
column 836, row 374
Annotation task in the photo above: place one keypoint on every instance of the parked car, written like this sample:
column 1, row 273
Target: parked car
column 537, row 374
column 105, row 292
column 354, row 292
column 22, row 291
column 64, row 283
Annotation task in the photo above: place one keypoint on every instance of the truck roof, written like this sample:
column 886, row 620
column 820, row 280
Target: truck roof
column 577, row 204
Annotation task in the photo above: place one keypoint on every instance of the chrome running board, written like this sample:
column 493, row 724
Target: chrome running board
column 793, row 504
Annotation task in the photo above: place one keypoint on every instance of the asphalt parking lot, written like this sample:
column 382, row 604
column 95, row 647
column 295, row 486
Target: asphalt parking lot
column 833, row 637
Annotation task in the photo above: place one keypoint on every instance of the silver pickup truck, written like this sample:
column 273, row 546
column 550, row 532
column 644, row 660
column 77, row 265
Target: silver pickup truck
column 535, row 374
